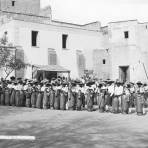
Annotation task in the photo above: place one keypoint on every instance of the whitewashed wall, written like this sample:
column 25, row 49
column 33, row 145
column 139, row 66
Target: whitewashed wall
column 50, row 36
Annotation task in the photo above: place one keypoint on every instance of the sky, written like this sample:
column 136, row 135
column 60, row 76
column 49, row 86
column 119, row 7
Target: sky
column 105, row 11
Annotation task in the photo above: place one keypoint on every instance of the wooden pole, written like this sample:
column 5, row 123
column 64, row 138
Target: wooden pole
column 145, row 71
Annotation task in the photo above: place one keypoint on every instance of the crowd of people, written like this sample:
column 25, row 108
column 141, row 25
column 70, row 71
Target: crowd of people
column 63, row 94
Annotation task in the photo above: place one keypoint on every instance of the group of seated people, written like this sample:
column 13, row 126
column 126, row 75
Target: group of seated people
column 63, row 94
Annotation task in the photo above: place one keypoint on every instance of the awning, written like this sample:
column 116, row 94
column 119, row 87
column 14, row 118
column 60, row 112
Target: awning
column 53, row 68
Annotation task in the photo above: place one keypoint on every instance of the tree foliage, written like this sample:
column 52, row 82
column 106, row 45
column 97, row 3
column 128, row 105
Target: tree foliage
column 8, row 60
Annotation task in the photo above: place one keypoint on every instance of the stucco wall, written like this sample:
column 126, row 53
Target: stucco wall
column 50, row 36
column 130, row 52
column 108, row 43
column 102, row 71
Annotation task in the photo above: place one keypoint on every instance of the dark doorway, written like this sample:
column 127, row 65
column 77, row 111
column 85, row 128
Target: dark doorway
column 46, row 75
column 51, row 74
column 124, row 74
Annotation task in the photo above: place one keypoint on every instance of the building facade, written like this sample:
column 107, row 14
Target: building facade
column 116, row 51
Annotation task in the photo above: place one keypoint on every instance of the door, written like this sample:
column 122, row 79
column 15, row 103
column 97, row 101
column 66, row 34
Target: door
column 124, row 74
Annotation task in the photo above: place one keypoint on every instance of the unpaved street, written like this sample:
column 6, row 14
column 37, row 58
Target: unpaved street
column 64, row 129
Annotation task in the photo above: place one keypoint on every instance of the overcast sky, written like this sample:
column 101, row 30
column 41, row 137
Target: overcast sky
column 85, row 11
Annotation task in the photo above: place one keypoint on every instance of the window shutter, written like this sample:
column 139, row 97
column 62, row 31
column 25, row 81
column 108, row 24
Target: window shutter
column 52, row 57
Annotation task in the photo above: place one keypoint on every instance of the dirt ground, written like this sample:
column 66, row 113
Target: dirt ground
column 72, row 129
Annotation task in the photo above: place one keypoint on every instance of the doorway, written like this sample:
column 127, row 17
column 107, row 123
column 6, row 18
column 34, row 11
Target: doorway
column 46, row 74
column 124, row 74
column 50, row 74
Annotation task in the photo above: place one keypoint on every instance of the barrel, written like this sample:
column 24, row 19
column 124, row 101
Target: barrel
column 83, row 100
column 51, row 98
column 12, row 98
column 46, row 100
column 107, row 99
column 125, row 104
column 22, row 98
column 57, row 100
column 33, row 99
column 79, row 101
column 89, row 101
column 115, row 105
column 2, row 97
column 95, row 99
column 132, row 100
column 39, row 101
column 63, row 100
column 28, row 98
column 139, row 104
column 101, row 102
column 17, row 98
column 7, row 97
column 72, row 101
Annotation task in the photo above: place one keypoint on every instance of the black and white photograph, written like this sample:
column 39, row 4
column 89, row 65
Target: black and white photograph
column 73, row 73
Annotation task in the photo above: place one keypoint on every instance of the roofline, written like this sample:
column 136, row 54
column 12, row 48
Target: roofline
column 40, row 16
column 29, row 14
column 57, row 21
column 123, row 21
column 91, row 23
column 143, row 23
column 58, row 25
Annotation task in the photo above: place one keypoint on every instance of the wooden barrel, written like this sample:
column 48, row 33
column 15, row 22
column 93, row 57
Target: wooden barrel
column 57, row 100
column 17, row 98
column 115, row 105
column 90, row 101
column 33, row 99
column 139, row 104
column 28, row 98
column 52, row 98
column 72, row 101
column 12, row 98
column 7, row 97
column 101, row 102
column 2, row 97
column 125, row 104
column 46, row 100
column 39, row 102
column 22, row 98
column 63, row 100
column 79, row 100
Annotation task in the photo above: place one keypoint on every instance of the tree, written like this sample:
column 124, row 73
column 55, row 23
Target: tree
column 8, row 60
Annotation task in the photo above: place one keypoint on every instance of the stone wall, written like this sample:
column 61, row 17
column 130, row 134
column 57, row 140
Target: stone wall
column 21, row 6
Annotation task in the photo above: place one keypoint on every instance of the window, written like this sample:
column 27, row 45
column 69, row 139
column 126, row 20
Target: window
column 126, row 34
column 64, row 40
column 52, row 57
column 34, row 38
column 13, row 3
column 104, row 61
